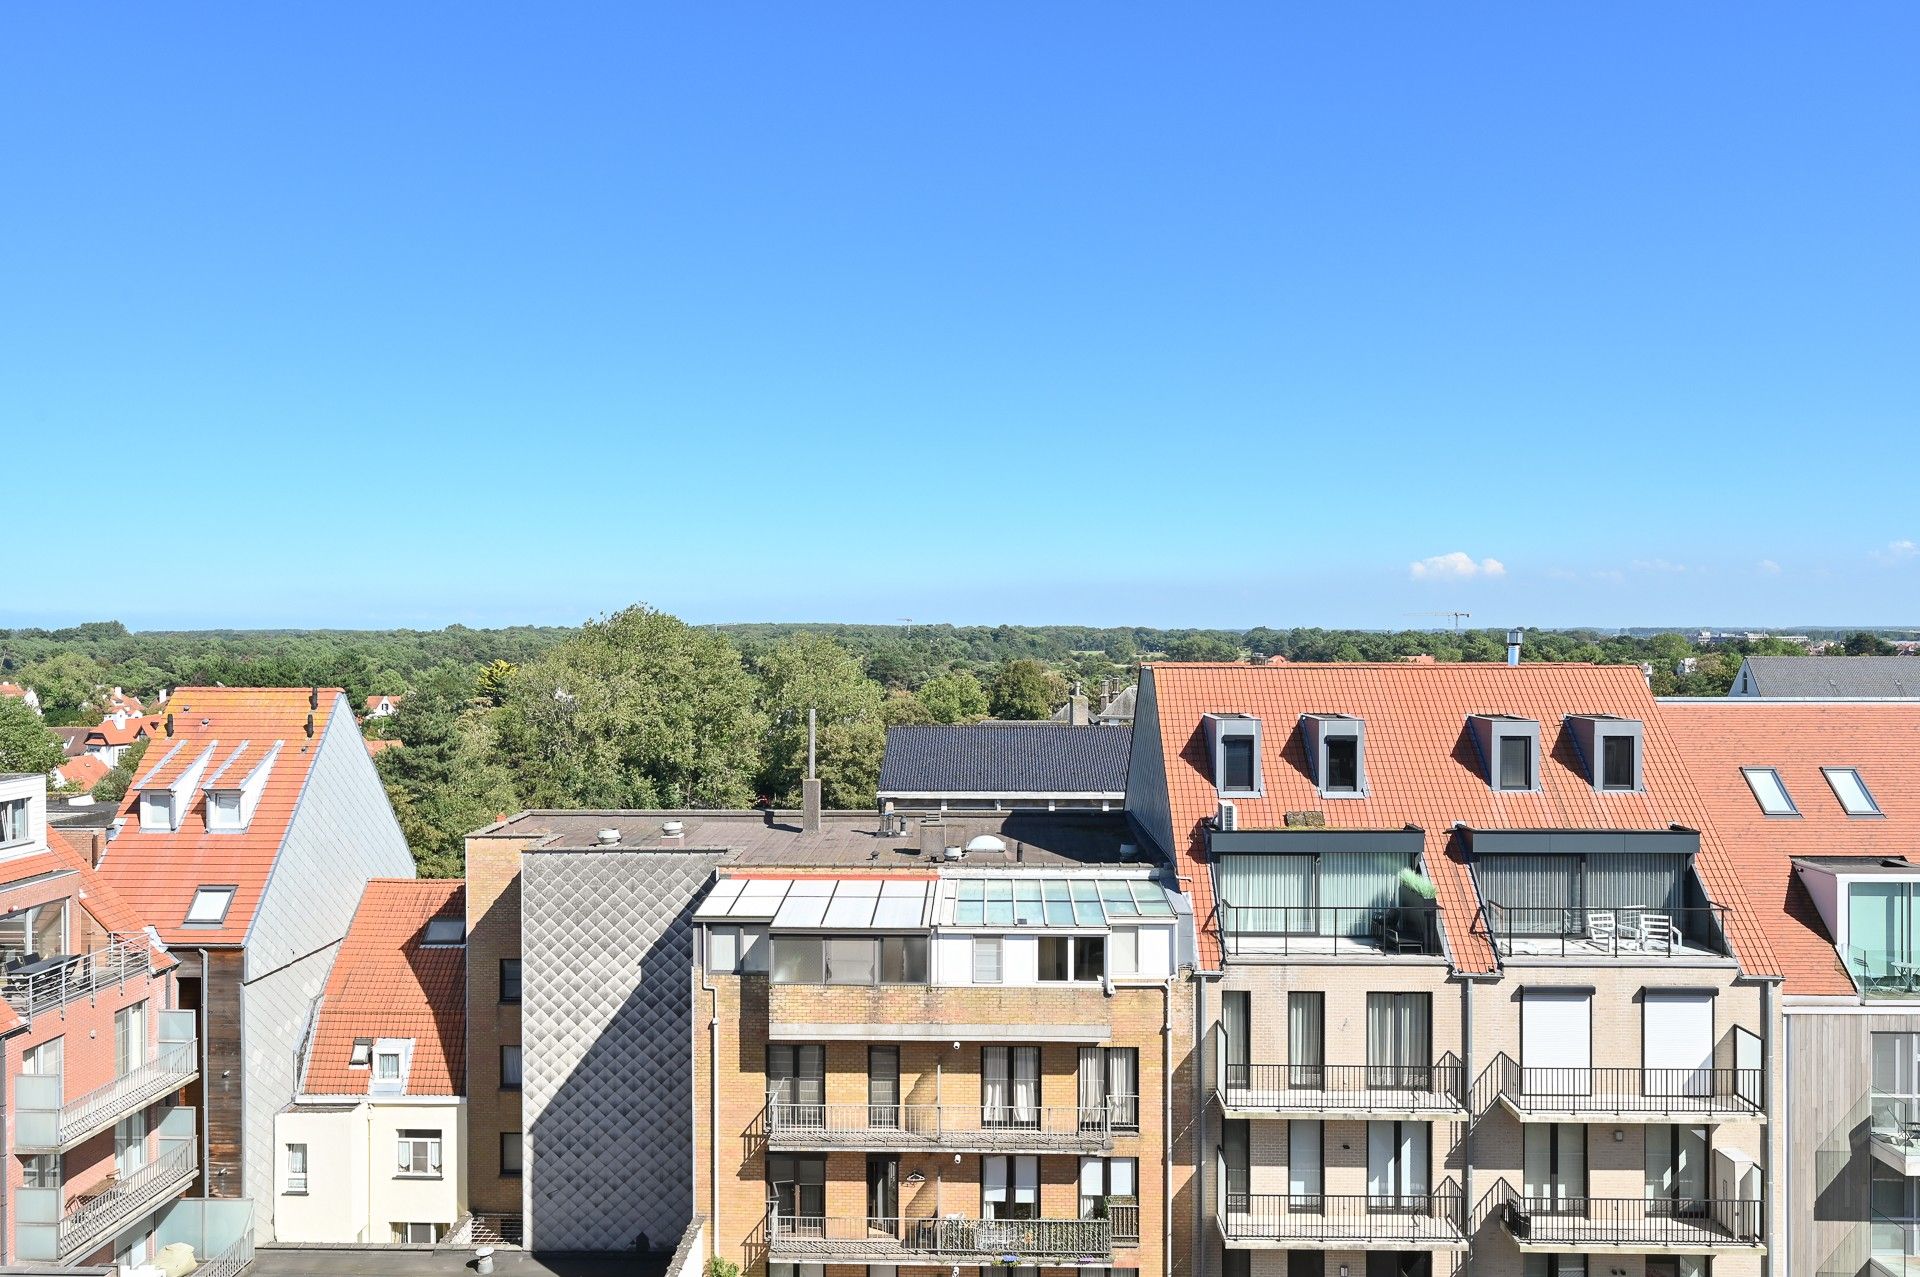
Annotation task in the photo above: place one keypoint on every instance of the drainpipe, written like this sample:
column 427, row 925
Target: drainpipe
column 1466, row 1101
column 1199, row 1247
column 1166, row 1140
column 206, row 1083
column 1769, row 1210
column 713, row 1092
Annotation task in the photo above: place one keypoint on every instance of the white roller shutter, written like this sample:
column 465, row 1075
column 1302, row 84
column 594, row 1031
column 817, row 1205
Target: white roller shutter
column 1677, row 1037
column 1556, row 1041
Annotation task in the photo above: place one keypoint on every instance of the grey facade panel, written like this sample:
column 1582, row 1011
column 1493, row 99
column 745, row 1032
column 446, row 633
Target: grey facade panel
column 1819, row 677
column 1544, row 842
column 607, row 960
column 273, row 1019
column 1148, row 802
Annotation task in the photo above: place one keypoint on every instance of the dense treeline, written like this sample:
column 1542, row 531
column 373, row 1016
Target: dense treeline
column 639, row 709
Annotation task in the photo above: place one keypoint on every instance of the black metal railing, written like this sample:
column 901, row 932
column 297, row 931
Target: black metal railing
column 1433, row 1217
column 1589, row 931
column 1334, row 1086
column 1625, row 1090
column 1283, row 930
column 856, row 1237
column 1636, row 1221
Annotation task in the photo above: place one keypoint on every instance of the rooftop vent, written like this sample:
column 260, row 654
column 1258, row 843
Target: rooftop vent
column 607, row 837
column 1514, row 637
column 986, row 842
column 673, row 829
column 956, row 853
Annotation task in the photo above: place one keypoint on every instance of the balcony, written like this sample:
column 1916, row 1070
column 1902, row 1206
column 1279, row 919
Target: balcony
column 1885, row 973
column 1431, row 1092
column 859, row 1240
column 47, row 984
column 938, row 1013
column 1281, row 1221
column 46, row 1124
column 951, row 1128
column 1895, row 1245
column 1324, row 931
column 66, row 1225
column 1624, row 1094
column 1679, row 935
column 1895, row 1131
column 1646, row 1225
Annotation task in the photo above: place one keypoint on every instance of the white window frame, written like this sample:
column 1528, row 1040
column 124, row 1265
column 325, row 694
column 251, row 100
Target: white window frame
column 230, row 817
column 1851, row 775
column 154, row 802
column 982, row 947
column 1762, row 775
column 414, row 1145
column 297, row 1169
column 200, row 913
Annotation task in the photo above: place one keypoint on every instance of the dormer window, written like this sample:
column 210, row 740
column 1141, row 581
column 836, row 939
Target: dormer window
column 1619, row 762
column 1234, row 742
column 209, row 907
column 391, row 1060
column 1511, row 748
column 223, row 809
column 445, row 931
column 1612, row 749
column 1769, row 791
column 157, row 812
column 1855, row 799
column 1336, row 753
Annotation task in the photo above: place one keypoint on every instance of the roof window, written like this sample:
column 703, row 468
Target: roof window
column 1852, row 792
column 210, row 905
column 362, row 1056
column 446, row 931
column 1234, row 742
column 1769, row 792
column 1336, row 753
column 1511, row 749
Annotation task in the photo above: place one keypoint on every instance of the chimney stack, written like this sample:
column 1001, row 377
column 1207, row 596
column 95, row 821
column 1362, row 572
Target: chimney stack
column 96, row 847
column 1513, row 645
column 1077, row 713
column 810, row 787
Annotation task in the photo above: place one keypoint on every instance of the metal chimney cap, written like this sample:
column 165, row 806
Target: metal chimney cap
column 608, row 836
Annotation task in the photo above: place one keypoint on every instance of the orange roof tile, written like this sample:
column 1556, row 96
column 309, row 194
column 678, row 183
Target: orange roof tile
column 386, row 983
column 123, row 733
column 82, row 771
column 159, row 872
column 1797, row 738
column 1422, row 769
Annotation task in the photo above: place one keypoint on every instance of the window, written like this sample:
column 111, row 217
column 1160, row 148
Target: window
column 1515, row 762
column 223, row 809
column 796, row 1074
column 853, row 960
column 799, row 960
column 1555, row 1170
column 798, row 1186
column 1081, row 958
column 1851, row 791
column 510, row 1067
column 1306, row 1039
column 129, row 1038
column 1397, row 1164
column 1618, row 769
column 1123, row 951
column 1055, row 958
column 210, row 905
column 903, row 960
column 1306, row 1161
column 46, row 1060
column 1010, row 1086
column 1573, row 1266
column 362, row 1056
column 1343, row 764
column 156, row 812
column 1769, row 792
column 509, row 979
column 1236, row 763
column 419, row 1152
column 1010, row 1187
column 296, row 1168
column 1236, row 1037
column 1102, row 1181
column 1677, row 1166
column 737, row 950
column 883, row 1192
column 1089, row 958
column 416, row 1234
column 986, row 959
column 510, row 1153
column 13, row 821
column 883, row 1087
column 386, row 1066
column 1300, row 1263
column 1399, row 1037
column 43, row 1170
column 1110, row 1086
column 445, row 931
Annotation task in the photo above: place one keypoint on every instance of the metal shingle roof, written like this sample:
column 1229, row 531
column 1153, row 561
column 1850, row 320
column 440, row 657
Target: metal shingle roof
column 1843, row 676
column 1005, row 758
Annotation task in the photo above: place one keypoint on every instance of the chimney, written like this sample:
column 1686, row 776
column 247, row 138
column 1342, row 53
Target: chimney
column 933, row 837
column 1077, row 708
column 96, row 847
column 1513, row 645
column 810, row 787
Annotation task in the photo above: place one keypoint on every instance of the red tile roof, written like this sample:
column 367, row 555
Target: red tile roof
column 159, row 872
column 1797, row 738
column 82, row 771
column 387, row 984
column 124, row 733
column 1422, row 768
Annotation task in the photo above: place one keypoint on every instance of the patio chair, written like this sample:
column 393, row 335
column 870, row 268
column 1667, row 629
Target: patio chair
column 1657, row 933
column 1603, row 930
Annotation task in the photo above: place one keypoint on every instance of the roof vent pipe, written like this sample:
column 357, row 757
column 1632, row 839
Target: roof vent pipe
column 607, row 837
column 1513, row 645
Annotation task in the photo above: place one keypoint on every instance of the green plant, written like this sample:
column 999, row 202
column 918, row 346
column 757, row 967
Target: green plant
column 719, row 1266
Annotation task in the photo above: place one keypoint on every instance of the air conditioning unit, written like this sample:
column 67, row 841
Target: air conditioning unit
column 1229, row 817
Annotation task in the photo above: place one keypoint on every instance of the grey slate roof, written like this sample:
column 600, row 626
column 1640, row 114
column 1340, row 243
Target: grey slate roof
column 1005, row 758
column 1858, row 677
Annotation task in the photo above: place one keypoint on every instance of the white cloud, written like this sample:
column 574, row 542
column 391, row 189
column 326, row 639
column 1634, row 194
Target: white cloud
column 1457, row 566
column 1768, row 567
column 1614, row 575
column 1898, row 551
column 1657, row 565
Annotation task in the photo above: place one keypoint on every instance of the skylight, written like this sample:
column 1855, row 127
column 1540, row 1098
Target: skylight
column 446, row 931
column 210, row 905
column 1851, row 791
column 1769, row 792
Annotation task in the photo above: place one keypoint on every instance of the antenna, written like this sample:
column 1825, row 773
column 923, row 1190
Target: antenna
column 1456, row 617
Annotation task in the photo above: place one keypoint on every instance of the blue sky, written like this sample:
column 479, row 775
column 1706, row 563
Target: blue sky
column 412, row 314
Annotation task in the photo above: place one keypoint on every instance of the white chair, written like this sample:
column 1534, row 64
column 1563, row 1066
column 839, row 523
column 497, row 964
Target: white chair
column 1602, row 930
column 1658, row 933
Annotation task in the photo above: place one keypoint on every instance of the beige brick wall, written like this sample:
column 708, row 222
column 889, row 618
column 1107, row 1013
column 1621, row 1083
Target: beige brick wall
column 493, row 933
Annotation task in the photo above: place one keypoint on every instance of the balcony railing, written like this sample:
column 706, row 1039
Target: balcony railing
column 45, row 1125
column 1895, row 1244
column 1689, row 1222
column 1123, row 1213
column 1431, row 1219
column 1654, row 1094
column 1284, row 1089
column 859, row 1239
column 47, row 984
column 1325, row 930
column 46, row 1230
column 1602, row 931
column 959, row 1127
column 1885, row 973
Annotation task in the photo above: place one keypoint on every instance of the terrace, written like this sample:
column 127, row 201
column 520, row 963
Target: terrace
column 861, row 1240
column 1685, row 1225
column 1428, row 1221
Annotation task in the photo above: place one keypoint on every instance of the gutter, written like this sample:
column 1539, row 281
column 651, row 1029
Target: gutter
column 1200, row 979
column 713, row 1094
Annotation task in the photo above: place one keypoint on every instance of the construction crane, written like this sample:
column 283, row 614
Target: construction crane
column 1456, row 617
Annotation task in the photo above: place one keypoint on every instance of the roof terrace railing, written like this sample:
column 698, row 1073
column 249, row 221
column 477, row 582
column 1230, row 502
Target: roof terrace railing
column 856, row 1238
column 1356, row 1087
column 1605, row 931
column 1326, row 930
column 47, row 984
column 1702, row 1222
column 1614, row 1091
column 1010, row 1125
column 1357, row 1218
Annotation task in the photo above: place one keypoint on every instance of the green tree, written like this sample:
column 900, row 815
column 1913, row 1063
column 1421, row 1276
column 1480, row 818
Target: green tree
column 1202, row 647
column 954, row 697
column 901, row 710
column 1867, row 643
column 26, row 744
column 806, row 672
column 1024, row 689
column 66, row 682
column 446, row 779
column 493, row 680
column 112, row 787
column 637, row 709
